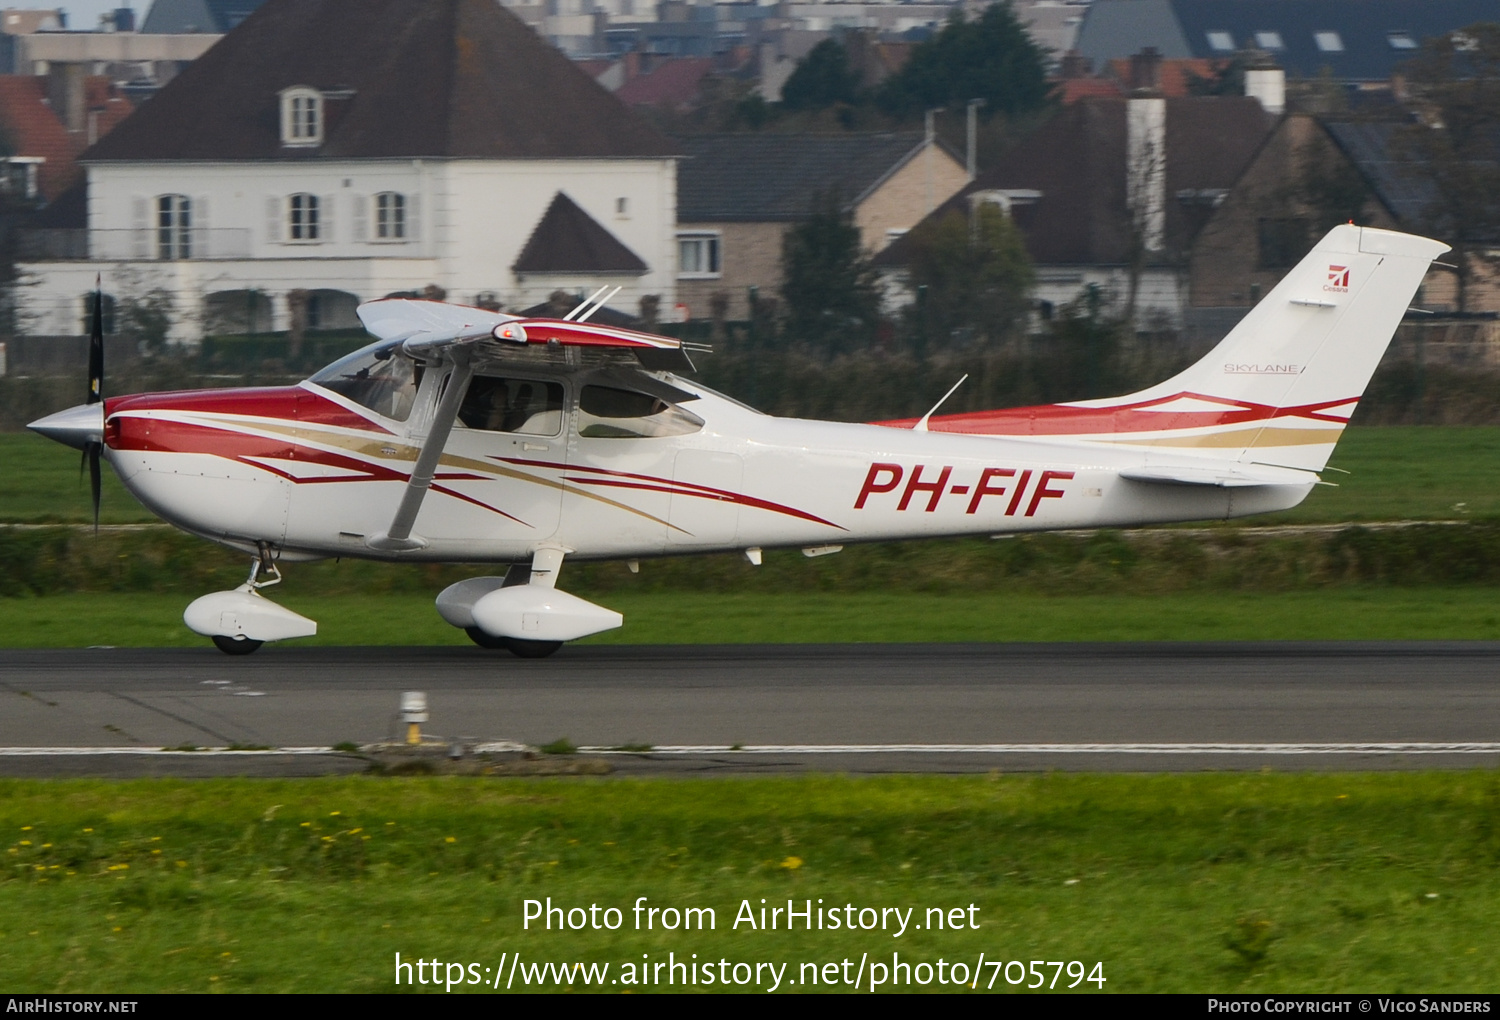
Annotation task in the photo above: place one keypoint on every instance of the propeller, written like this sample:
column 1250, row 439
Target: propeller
column 94, row 448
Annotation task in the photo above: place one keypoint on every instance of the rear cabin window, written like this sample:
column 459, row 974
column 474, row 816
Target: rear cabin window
column 605, row 412
column 527, row 407
column 382, row 379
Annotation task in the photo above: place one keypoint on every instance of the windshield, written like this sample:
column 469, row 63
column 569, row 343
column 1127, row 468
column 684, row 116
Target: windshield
column 380, row 378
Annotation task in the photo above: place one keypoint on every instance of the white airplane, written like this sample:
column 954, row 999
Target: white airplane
column 463, row 435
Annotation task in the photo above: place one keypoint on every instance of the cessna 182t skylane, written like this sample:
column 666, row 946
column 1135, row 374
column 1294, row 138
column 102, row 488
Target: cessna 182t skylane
column 466, row 435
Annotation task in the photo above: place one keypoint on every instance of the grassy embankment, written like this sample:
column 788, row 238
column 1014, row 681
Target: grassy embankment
column 1261, row 882
column 64, row 588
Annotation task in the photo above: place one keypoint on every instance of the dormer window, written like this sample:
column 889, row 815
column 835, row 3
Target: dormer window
column 301, row 116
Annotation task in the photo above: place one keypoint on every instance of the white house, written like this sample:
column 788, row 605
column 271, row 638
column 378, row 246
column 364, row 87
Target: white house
column 343, row 150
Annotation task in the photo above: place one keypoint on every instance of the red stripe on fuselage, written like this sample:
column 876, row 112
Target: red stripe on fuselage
column 159, row 435
column 651, row 483
column 291, row 404
column 1062, row 420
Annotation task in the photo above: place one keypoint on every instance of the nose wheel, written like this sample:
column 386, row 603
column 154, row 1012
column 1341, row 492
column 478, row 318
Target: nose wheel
column 240, row 621
column 236, row 645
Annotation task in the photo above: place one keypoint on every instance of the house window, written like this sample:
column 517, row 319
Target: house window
column 1329, row 42
column 1221, row 42
column 302, row 217
column 1269, row 41
column 174, row 227
column 18, row 176
column 301, row 116
column 1401, row 40
column 698, row 255
column 1283, row 242
column 622, row 207
column 390, row 216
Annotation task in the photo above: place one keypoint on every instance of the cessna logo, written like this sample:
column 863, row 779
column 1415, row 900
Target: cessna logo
column 1254, row 368
column 883, row 478
column 1338, row 280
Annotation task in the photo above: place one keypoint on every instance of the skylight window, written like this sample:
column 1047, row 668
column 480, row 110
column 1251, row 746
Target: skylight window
column 1401, row 40
column 1329, row 42
column 1223, row 42
column 1269, row 41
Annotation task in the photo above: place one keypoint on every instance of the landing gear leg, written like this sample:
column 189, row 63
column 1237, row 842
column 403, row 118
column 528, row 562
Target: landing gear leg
column 240, row 621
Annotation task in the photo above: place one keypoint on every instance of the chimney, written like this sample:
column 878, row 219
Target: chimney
column 65, row 93
column 124, row 19
column 1146, row 168
column 1076, row 65
column 1266, row 82
column 1145, row 70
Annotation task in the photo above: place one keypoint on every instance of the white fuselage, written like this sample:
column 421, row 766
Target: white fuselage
column 322, row 484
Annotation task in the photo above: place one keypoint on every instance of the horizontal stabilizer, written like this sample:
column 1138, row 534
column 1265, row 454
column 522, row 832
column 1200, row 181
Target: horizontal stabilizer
column 1226, row 476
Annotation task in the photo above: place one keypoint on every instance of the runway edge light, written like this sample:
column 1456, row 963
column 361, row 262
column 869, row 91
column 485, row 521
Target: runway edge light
column 413, row 713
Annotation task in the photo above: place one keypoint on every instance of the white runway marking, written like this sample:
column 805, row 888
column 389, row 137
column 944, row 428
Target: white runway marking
column 42, row 752
column 1382, row 748
column 1409, row 747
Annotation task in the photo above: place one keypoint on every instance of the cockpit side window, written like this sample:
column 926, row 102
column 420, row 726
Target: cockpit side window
column 381, row 378
column 528, row 407
column 607, row 412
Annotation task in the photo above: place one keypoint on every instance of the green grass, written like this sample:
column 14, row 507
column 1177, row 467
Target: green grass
column 1225, row 882
column 1398, row 472
column 1407, row 472
column 1337, row 614
column 43, row 484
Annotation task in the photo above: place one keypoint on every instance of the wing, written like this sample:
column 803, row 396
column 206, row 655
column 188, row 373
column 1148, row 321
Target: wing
column 430, row 326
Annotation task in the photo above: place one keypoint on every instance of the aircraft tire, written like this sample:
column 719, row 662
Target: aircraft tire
column 236, row 645
column 484, row 640
column 531, row 649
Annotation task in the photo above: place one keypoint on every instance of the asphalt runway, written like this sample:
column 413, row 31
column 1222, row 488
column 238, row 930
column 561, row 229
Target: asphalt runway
column 848, row 708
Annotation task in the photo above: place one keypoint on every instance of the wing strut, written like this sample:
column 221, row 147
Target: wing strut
column 398, row 536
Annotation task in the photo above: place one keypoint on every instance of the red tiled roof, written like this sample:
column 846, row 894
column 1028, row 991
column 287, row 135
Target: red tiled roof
column 1173, row 75
column 1070, row 90
column 32, row 129
column 673, row 83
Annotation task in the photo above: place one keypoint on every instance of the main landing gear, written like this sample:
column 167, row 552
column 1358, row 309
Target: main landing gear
column 242, row 620
column 523, row 612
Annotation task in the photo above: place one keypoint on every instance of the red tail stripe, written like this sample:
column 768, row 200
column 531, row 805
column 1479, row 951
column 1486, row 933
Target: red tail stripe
column 1062, row 420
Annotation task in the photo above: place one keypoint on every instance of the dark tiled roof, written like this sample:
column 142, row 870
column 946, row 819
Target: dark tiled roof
column 1396, row 182
column 1077, row 161
column 569, row 240
column 214, row 16
column 1179, row 28
column 768, row 177
column 460, row 78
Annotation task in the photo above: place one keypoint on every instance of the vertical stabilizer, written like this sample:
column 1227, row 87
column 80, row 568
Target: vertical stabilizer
column 1287, row 378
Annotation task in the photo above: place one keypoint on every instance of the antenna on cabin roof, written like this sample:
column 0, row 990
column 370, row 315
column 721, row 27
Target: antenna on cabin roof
column 600, row 304
column 585, row 303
